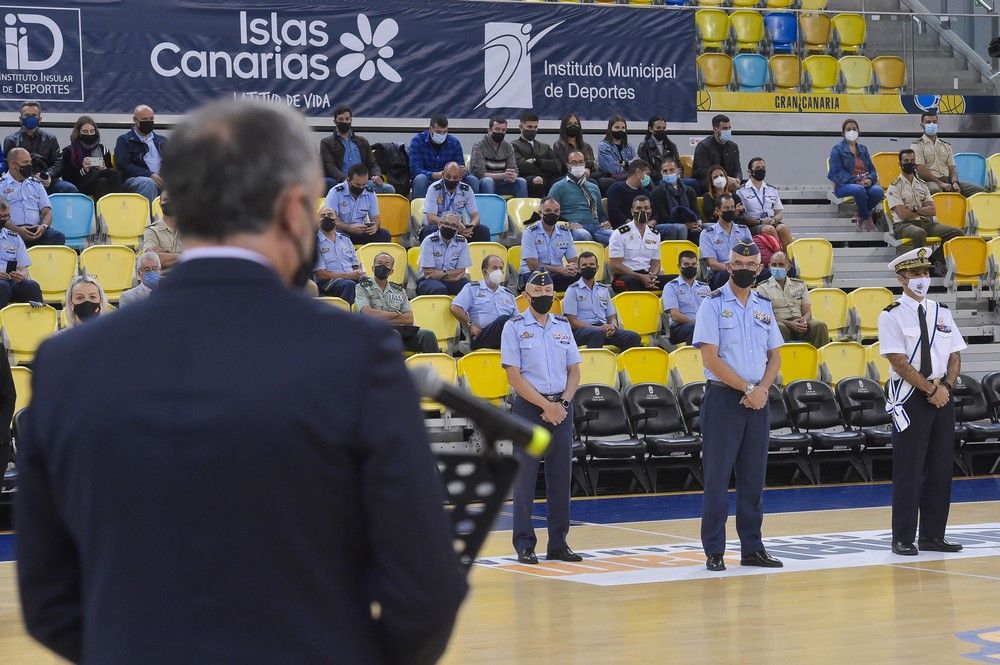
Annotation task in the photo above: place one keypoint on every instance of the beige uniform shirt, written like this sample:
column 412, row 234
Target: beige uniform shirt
column 935, row 155
column 161, row 236
column 904, row 192
column 786, row 302
column 390, row 299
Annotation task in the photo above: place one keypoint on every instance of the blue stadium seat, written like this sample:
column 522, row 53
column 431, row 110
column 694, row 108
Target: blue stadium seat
column 750, row 72
column 971, row 168
column 675, row 3
column 492, row 213
column 782, row 31
column 73, row 215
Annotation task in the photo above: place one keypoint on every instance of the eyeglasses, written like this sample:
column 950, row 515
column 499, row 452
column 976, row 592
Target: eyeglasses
column 736, row 265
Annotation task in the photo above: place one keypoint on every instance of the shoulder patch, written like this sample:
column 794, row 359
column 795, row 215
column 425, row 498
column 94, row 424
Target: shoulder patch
column 560, row 318
column 891, row 306
column 715, row 294
column 463, row 186
column 517, row 317
column 623, row 228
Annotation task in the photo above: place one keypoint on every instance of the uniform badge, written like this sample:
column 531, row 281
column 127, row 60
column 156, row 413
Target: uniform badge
column 942, row 327
column 604, row 303
column 718, row 241
column 726, row 313
column 762, row 317
column 650, row 241
column 437, row 254
column 324, row 250
column 581, row 297
column 540, row 242
column 526, row 335
column 560, row 337
column 440, row 200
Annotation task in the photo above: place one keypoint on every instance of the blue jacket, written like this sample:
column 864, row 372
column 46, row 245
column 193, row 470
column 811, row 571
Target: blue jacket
column 842, row 164
column 130, row 154
column 425, row 160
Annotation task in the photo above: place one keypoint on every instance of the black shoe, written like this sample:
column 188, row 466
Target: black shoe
column 938, row 545
column 565, row 554
column 527, row 556
column 715, row 563
column 904, row 549
column 761, row 559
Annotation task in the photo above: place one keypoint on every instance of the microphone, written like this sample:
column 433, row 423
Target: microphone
column 534, row 439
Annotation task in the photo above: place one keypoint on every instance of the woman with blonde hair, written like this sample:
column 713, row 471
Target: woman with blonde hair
column 84, row 299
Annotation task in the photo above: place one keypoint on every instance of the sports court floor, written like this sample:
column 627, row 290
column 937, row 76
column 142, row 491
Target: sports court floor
column 642, row 594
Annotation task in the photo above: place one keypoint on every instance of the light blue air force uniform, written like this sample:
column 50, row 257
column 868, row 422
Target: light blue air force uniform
column 352, row 210
column 435, row 253
column 593, row 306
column 536, row 243
column 483, row 304
column 26, row 198
column 336, row 255
column 717, row 244
column 743, row 334
column 542, row 354
column 677, row 294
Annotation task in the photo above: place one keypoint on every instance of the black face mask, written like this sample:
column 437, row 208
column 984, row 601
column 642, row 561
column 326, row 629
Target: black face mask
column 167, row 209
column 573, row 131
column 26, row 171
column 589, row 272
column 90, row 142
column 909, row 167
column 382, row 272
column 744, row 278
column 550, row 218
column 758, row 174
column 728, row 215
column 450, row 184
column 355, row 191
column 146, row 126
column 541, row 304
column 660, row 135
column 619, row 136
column 529, row 135
column 86, row 309
column 642, row 218
column 343, row 127
column 327, row 224
column 497, row 137
column 446, row 233
column 689, row 272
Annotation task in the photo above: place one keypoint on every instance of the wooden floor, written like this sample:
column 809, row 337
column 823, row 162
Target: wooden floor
column 906, row 612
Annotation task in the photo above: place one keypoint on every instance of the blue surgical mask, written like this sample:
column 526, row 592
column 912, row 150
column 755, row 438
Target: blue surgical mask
column 151, row 279
column 726, row 135
column 931, row 129
column 646, row 180
column 29, row 122
column 438, row 138
column 670, row 179
column 779, row 273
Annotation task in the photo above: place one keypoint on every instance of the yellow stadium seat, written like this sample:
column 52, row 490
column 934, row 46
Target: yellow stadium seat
column 520, row 210
column 815, row 31
column 748, row 29
column 850, row 32
column 966, row 257
column 645, row 364
column 112, row 265
column 521, row 302
column 866, row 304
column 336, row 302
column 856, row 75
column 367, row 253
column 890, row 74
column 686, row 366
column 746, row 4
column 715, row 71
column 22, row 387
column 878, row 365
column 443, row 365
column 599, row 250
column 951, row 209
column 786, row 72
column 813, row 258
column 157, row 207
column 812, row 5
column 639, row 311
column 778, row 4
column 598, row 366
column 484, row 376
column 830, row 307
column 993, row 263
column 413, row 259
column 479, row 251
column 993, row 171
column 123, row 217
column 887, row 165
column 984, row 214
column 417, row 212
column 394, row 214
column 687, row 164
column 671, row 249
column 822, row 73
column 514, row 260
column 713, row 28
column 320, row 203
column 53, row 267
column 798, row 361
column 931, row 240
column 24, row 328
column 434, row 314
column 711, row 3
column 842, row 360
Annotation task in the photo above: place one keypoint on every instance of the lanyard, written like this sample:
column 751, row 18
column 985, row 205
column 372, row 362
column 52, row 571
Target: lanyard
column 894, row 404
column 760, row 199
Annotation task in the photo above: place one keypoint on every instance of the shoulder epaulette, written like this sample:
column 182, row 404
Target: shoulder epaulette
column 796, row 280
column 459, row 238
column 340, row 185
column 715, row 294
column 463, row 185
column 517, row 317
column 533, row 226
column 762, row 296
column 623, row 228
column 891, row 306
column 365, row 282
column 943, row 305
column 560, row 318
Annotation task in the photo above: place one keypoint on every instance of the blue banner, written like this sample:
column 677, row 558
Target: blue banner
column 386, row 58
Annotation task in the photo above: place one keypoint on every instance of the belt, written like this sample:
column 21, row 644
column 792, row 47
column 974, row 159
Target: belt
column 720, row 384
column 554, row 397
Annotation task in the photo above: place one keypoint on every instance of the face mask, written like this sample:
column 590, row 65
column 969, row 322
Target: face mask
column 919, row 285
column 577, row 171
column 146, row 126
column 851, row 135
column 151, row 279
column 744, row 278
column 660, row 135
column 726, row 135
column 327, row 224
column 494, row 276
column 356, row 191
column 447, row 233
column 439, row 138
column 590, row 272
column 619, row 136
column 670, row 178
column 550, row 218
column 719, row 181
column 26, row 171
column 86, row 309
column 931, row 129
column 451, row 184
column 758, row 174
column 573, row 131
column 167, row 209
column 779, row 273
column 497, row 137
column 646, row 180
column 641, row 217
column 688, row 272
column 343, row 127
column 541, row 304
column 29, row 122
column 89, row 142
column 382, row 272
column 529, row 135
column 909, row 167
column 728, row 215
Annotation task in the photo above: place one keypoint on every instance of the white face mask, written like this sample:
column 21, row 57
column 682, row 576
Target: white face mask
column 577, row 171
column 438, row 138
column 851, row 135
column 495, row 277
column 920, row 285
column 719, row 181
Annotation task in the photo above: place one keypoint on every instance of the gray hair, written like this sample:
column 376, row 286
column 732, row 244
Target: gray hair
column 30, row 102
column 71, row 318
column 145, row 257
column 229, row 163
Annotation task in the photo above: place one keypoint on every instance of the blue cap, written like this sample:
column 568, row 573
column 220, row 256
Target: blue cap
column 746, row 249
column 540, row 278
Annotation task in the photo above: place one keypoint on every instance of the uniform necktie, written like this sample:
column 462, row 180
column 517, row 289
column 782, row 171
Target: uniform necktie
column 925, row 343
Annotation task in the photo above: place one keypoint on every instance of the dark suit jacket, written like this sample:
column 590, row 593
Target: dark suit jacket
column 228, row 472
column 331, row 151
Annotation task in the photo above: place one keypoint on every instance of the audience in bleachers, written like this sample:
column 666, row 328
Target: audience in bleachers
column 790, row 302
column 719, row 148
column 720, row 183
column 147, row 268
column 675, row 205
column 162, row 235
column 139, row 153
column 494, row 163
column 30, row 214
column 84, row 299
column 592, row 315
column 536, row 162
column 936, row 160
column 354, row 208
column 682, row 296
column 485, row 306
column 762, row 204
column 853, row 174
column 622, row 192
column 580, row 201
column 430, row 152
column 15, row 283
column 545, row 245
column 570, row 140
column 451, row 194
column 719, row 238
column 634, row 252
column 389, row 303
column 338, row 270
column 86, row 163
column 343, row 149
column 444, row 259
column 42, row 147
column 657, row 146
column 614, row 153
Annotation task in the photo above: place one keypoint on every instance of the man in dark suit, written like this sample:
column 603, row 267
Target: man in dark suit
column 248, row 501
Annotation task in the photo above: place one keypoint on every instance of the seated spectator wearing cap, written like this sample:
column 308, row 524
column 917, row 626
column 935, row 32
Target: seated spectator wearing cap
column 85, row 299
column 634, row 252
column 486, row 305
column 718, row 240
column 15, row 283
column 623, row 192
column 545, row 245
column 593, row 317
column 675, row 205
column 354, row 208
column 580, row 201
column 853, row 173
column 343, row 149
column 42, row 147
column 936, row 160
column 139, row 153
column 536, row 162
column 430, row 152
column 86, row 163
column 790, row 300
column 338, row 270
column 163, row 236
column 381, row 299
column 444, row 260
column 682, row 296
column 493, row 162
column 451, row 195
column 147, row 268
column 29, row 213
column 763, row 207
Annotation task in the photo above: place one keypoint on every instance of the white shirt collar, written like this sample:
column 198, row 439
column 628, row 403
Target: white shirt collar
column 911, row 303
column 223, row 252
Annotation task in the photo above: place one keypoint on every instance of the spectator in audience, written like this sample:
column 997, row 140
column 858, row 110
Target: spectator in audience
column 139, row 153
column 86, row 163
column 580, row 200
column 535, row 160
column 85, row 299
column 354, row 208
column 42, row 147
column 936, row 160
column 493, row 162
column 386, row 301
column 682, row 296
column 622, row 192
column 162, row 236
column 634, row 252
column 544, row 246
column 444, row 259
column 614, row 153
column 762, row 205
column 15, row 283
column 486, row 305
column 790, row 301
column 430, row 152
column 721, row 184
column 853, row 173
column 30, row 212
column 337, row 269
column 657, row 146
column 719, row 148
column 147, row 267
column 675, row 205
column 912, row 210
column 343, row 149
column 451, row 194
column 591, row 313
column 570, row 140
column 718, row 240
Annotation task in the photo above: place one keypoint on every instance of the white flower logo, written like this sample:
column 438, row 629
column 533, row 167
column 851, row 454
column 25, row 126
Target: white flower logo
column 385, row 31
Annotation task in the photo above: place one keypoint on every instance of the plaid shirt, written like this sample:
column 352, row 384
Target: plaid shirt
column 425, row 160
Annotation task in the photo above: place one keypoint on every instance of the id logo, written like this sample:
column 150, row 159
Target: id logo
column 42, row 55
column 507, row 72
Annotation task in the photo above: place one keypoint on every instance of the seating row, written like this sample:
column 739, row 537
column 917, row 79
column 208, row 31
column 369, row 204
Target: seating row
column 752, row 72
column 780, row 32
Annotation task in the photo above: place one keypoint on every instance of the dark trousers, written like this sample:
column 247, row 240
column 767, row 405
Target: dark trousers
column 921, row 470
column 363, row 238
column 341, row 288
column 50, row 237
column 681, row 332
column 558, row 470
column 560, row 282
column 489, row 336
column 734, row 437
column 24, row 291
column 439, row 287
column 593, row 337
column 422, row 341
column 631, row 283
column 479, row 233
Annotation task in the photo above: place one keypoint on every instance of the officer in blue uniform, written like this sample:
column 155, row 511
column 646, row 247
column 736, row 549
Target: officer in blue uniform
column 450, row 194
column 444, row 260
column 545, row 244
column 338, row 270
column 543, row 367
column 718, row 240
column 587, row 304
column 485, row 306
column 739, row 338
column 682, row 297
column 356, row 208
column 15, row 284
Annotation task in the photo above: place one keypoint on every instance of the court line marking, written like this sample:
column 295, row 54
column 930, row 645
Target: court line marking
column 945, row 572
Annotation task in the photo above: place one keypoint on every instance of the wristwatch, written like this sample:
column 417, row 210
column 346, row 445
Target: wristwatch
column 565, row 403
column 750, row 388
